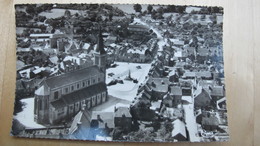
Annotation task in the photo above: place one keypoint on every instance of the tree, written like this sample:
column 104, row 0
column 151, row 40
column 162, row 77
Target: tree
column 138, row 8
column 77, row 15
column 150, row 8
column 110, row 16
column 42, row 18
column 181, row 9
column 171, row 8
column 154, row 14
column 30, row 9
column 160, row 10
column 67, row 14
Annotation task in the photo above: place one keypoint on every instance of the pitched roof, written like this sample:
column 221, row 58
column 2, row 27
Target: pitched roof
column 206, row 74
column 175, row 90
column 43, row 90
column 84, row 93
column 54, row 59
column 217, row 91
column 74, row 76
column 202, row 92
column 58, row 104
column 79, row 95
column 138, row 26
column 105, row 118
column 19, row 64
column 211, row 121
column 178, row 128
column 82, row 118
column 120, row 111
column 158, row 84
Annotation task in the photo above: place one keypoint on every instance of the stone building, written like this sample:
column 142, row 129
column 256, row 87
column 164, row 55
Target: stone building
column 60, row 98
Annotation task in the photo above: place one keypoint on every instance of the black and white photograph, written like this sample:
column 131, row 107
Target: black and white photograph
column 120, row 72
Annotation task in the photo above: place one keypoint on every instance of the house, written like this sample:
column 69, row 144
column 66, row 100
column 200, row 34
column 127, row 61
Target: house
column 48, row 37
column 217, row 92
column 157, row 87
column 54, row 59
column 61, row 97
column 138, row 29
column 176, row 93
column 123, row 118
column 186, row 87
column 173, row 97
column 173, row 76
column 210, row 122
column 88, row 126
column 179, row 130
column 157, row 70
column 138, row 54
column 172, row 113
column 103, row 120
column 156, row 105
column 202, row 98
column 221, row 104
column 110, row 40
column 19, row 64
column 82, row 119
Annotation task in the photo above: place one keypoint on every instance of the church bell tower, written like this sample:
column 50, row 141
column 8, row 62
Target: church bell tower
column 100, row 53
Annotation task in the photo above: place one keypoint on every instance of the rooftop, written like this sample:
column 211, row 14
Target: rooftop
column 71, row 77
column 120, row 111
column 178, row 128
column 175, row 90
column 159, row 84
column 79, row 95
column 104, row 118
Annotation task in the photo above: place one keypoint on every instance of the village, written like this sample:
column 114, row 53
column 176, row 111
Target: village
column 97, row 72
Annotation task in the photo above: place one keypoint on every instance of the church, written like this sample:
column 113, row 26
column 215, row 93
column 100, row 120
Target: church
column 60, row 98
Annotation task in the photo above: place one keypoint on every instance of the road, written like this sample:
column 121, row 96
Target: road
column 190, row 120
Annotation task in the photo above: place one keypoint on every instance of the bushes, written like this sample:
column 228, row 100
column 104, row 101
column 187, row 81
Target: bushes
column 17, row 127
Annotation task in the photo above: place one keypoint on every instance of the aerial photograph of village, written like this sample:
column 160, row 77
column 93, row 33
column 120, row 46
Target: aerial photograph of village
column 120, row 72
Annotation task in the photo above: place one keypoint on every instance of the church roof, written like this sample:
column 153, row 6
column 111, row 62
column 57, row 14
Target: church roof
column 79, row 95
column 84, row 93
column 74, row 76
column 42, row 91
column 58, row 103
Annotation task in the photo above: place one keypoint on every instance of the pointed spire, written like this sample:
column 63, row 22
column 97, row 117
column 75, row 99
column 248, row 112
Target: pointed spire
column 100, row 44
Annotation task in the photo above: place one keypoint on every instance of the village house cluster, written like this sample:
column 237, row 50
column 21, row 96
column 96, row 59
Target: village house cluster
column 62, row 63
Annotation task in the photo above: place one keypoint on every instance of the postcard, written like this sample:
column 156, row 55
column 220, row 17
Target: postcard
column 120, row 72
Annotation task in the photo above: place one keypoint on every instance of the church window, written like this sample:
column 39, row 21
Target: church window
column 78, row 86
column 83, row 84
column 40, row 104
column 66, row 90
column 71, row 108
column 72, row 88
column 45, row 104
